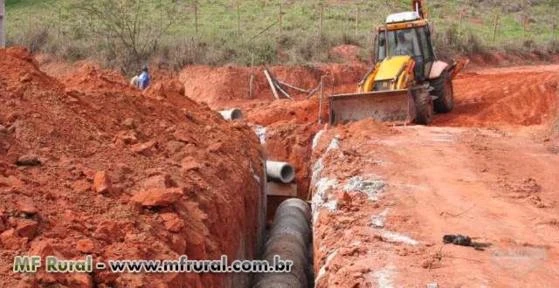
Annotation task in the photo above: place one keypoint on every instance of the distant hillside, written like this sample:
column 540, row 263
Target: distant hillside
column 253, row 32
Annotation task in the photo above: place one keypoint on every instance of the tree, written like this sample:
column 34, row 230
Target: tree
column 130, row 29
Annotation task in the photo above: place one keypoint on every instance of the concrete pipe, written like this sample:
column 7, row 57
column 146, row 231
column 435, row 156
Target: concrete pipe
column 291, row 225
column 299, row 204
column 231, row 114
column 278, row 280
column 287, row 247
column 290, row 210
column 280, row 172
column 298, row 269
column 290, row 239
column 297, row 239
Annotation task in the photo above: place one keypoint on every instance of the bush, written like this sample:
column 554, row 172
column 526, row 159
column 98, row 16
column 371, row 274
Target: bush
column 35, row 37
column 131, row 29
column 453, row 41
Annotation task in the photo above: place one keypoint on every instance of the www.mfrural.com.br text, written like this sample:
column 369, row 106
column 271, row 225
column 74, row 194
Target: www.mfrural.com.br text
column 52, row 264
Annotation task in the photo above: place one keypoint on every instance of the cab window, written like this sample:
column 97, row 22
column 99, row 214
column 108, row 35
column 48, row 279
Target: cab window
column 403, row 42
column 426, row 47
column 381, row 46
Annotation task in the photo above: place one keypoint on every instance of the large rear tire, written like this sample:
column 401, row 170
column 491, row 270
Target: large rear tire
column 423, row 107
column 444, row 91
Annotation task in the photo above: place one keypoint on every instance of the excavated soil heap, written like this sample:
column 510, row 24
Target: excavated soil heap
column 222, row 87
column 104, row 170
column 509, row 97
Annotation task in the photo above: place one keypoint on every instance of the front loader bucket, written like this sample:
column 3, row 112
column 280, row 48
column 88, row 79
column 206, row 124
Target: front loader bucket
column 384, row 106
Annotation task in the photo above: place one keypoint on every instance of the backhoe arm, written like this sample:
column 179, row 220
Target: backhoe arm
column 420, row 7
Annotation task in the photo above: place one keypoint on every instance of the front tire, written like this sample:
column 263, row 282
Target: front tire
column 423, row 107
column 444, row 91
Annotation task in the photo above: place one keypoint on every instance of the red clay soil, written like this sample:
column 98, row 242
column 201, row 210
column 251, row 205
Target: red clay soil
column 121, row 176
column 346, row 52
column 384, row 197
column 501, row 59
column 508, row 96
column 225, row 87
column 289, row 124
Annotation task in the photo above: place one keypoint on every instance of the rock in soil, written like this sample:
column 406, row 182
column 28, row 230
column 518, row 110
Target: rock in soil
column 28, row 160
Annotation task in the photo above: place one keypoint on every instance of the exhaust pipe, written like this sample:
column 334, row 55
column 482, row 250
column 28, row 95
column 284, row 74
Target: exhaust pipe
column 290, row 238
column 280, row 172
column 231, row 114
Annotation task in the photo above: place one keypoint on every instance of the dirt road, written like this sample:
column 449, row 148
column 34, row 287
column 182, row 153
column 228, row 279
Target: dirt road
column 385, row 197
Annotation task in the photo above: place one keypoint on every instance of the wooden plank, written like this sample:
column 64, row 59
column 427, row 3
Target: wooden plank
column 283, row 91
column 280, row 189
column 271, row 83
column 313, row 91
column 293, row 87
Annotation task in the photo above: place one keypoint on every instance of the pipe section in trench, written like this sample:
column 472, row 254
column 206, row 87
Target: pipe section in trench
column 280, row 172
column 290, row 238
column 231, row 114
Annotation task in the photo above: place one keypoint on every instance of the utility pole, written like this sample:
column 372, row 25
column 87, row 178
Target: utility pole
column 2, row 26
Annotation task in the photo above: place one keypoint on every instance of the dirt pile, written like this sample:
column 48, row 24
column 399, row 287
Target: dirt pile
column 510, row 97
column 104, row 170
column 222, row 87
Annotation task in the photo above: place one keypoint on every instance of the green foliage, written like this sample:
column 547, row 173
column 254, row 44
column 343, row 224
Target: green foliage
column 126, row 33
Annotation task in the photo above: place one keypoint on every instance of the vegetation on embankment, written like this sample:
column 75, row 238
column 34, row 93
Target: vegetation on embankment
column 249, row 32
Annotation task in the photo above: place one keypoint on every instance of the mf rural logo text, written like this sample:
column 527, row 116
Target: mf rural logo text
column 52, row 264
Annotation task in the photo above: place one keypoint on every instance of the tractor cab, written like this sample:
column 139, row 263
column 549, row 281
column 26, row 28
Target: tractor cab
column 406, row 34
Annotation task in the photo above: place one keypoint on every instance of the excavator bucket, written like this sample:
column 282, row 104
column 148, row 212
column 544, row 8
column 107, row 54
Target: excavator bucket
column 385, row 106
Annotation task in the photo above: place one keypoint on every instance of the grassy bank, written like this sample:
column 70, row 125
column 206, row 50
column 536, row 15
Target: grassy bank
column 247, row 32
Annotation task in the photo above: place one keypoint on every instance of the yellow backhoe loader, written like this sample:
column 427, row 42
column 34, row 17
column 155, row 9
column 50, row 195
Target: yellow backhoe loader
column 408, row 83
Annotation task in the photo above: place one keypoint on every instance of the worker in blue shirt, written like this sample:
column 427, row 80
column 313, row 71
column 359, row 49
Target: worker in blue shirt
column 144, row 78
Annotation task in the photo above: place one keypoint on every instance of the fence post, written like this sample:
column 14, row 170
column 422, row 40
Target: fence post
column 238, row 18
column 554, row 31
column 320, row 99
column 321, row 19
column 357, row 20
column 555, row 24
column 496, row 26
column 251, row 80
column 2, row 26
column 460, row 18
column 196, row 17
column 280, row 18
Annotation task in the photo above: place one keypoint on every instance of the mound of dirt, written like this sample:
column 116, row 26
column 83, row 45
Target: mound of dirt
column 510, row 97
column 300, row 112
column 501, row 59
column 222, row 87
column 89, row 166
column 91, row 78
